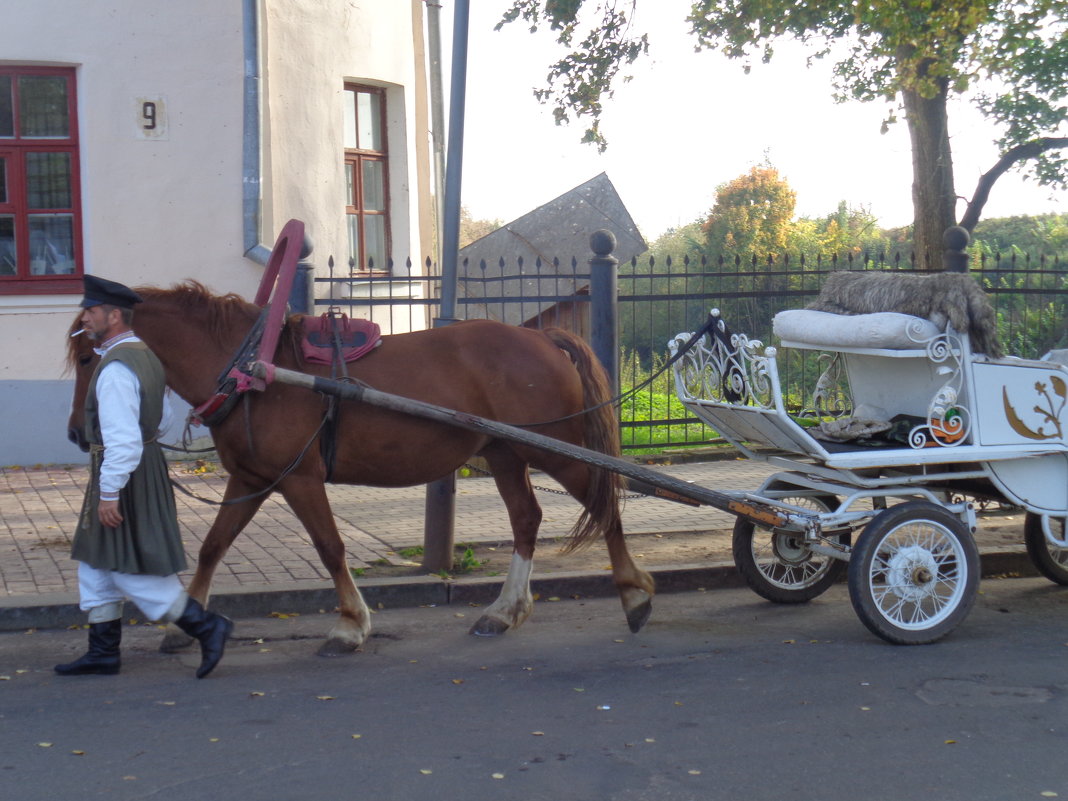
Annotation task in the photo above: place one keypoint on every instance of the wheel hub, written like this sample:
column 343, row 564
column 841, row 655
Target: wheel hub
column 788, row 549
column 912, row 572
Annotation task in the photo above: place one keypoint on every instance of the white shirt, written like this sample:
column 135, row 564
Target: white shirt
column 118, row 393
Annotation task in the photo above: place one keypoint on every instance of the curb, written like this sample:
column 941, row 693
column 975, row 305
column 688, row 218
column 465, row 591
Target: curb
column 60, row 610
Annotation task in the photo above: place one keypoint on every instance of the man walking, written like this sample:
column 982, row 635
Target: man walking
column 127, row 542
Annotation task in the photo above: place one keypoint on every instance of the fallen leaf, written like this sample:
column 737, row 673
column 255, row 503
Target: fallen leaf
column 213, row 739
column 538, row 733
column 425, row 772
column 78, row 753
column 865, row 709
column 326, row 698
column 166, row 703
column 951, row 742
column 459, row 614
column 1048, row 794
column 45, row 745
column 457, row 681
column 694, row 772
column 357, row 736
column 650, row 740
column 498, row 775
column 256, row 694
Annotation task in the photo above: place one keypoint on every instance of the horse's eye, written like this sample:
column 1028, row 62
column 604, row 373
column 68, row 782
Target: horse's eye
column 84, row 360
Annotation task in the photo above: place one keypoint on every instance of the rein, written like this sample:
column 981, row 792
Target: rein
column 266, row 490
column 619, row 399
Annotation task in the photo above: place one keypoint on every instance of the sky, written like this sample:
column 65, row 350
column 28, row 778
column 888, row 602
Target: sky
column 688, row 122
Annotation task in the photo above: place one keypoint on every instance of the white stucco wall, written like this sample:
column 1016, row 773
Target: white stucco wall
column 156, row 210
column 306, row 145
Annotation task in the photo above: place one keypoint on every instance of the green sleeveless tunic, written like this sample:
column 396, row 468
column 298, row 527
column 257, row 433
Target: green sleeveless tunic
column 148, row 540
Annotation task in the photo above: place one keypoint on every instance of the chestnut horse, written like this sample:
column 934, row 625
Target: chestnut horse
column 509, row 374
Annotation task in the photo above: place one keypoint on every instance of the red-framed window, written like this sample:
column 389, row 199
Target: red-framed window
column 40, row 197
column 366, row 178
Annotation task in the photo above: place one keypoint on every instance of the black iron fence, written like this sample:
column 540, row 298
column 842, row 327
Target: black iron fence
column 659, row 298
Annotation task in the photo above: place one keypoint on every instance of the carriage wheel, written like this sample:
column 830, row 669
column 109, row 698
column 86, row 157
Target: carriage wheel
column 914, row 573
column 776, row 564
column 1050, row 560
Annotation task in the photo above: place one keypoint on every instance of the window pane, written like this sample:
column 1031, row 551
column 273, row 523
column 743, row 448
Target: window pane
column 7, row 113
column 374, row 185
column 374, row 231
column 3, row 180
column 48, row 180
column 43, row 107
column 369, row 118
column 350, row 118
column 355, row 259
column 350, row 178
column 51, row 244
column 7, row 244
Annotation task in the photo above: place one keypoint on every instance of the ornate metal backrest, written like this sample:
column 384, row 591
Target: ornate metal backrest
column 948, row 418
column 724, row 367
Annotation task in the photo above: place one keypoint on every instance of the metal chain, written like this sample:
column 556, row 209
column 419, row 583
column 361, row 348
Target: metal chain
column 550, row 490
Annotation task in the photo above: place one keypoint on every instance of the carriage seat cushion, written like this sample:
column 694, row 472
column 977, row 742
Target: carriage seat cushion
column 882, row 330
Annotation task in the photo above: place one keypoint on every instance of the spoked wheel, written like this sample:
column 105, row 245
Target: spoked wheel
column 776, row 564
column 914, row 573
column 1050, row 560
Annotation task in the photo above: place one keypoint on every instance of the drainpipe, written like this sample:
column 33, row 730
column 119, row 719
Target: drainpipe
column 251, row 200
column 437, row 121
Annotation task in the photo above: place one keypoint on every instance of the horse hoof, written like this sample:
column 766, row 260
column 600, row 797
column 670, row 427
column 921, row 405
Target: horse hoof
column 489, row 627
column 639, row 615
column 175, row 640
column 334, row 647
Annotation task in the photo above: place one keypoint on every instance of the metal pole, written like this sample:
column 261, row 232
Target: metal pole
column 450, row 242
column 440, row 509
column 604, row 303
column 955, row 255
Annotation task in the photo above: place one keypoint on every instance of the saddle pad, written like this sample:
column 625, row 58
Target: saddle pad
column 357, row 337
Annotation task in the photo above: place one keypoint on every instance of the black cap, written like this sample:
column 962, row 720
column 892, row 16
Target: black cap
column 100, row 290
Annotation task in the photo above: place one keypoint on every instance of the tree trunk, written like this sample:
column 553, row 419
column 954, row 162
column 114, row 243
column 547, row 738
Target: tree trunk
column 933, row 195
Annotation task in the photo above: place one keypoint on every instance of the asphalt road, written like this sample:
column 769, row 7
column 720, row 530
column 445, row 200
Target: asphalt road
column 722, row 696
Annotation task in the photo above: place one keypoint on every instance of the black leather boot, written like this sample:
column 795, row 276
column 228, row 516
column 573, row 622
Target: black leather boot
column 210, row 629
column 103, row 654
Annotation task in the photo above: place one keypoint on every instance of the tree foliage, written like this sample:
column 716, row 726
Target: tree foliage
column 752, row 214
column 1011, row 56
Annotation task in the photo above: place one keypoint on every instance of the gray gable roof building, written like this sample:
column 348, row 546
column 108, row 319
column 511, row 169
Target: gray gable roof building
column 518, row 258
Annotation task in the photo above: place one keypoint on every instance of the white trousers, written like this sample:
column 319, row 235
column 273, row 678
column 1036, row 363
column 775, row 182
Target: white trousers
column 102, row 593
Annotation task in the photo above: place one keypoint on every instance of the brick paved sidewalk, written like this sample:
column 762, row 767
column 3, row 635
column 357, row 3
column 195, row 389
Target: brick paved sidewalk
column 39, row 508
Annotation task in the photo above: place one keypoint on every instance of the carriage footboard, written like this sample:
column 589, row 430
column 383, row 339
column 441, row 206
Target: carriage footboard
column 731, row 382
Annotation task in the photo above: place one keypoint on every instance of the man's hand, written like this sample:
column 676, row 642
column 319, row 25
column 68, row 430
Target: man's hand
column 109, row 514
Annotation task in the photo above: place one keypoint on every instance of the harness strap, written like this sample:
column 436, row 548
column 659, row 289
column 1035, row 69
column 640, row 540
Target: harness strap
column 229, row 383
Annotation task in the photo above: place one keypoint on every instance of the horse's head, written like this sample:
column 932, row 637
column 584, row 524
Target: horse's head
column 81, row 360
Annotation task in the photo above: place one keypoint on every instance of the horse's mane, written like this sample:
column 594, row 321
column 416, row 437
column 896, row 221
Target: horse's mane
column 223, row 312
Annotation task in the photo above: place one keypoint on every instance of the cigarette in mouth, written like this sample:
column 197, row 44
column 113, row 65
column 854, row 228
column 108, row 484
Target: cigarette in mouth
column 79, row 331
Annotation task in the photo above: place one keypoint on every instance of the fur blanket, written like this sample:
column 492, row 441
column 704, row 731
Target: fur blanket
column 939, row 297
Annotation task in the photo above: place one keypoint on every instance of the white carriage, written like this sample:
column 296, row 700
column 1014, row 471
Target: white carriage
column 903, row 432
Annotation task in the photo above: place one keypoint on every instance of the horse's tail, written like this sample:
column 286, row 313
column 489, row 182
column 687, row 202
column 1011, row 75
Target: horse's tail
column 600, row 515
